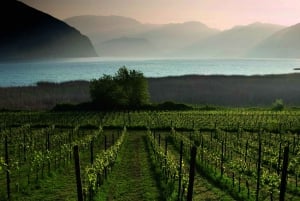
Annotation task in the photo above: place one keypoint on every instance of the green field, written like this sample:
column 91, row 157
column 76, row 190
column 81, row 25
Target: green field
column 136, row 155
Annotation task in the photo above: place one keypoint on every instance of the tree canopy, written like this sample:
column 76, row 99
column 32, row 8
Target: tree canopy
column 126, row 89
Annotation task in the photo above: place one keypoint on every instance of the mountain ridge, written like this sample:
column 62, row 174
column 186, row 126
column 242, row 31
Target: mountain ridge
column 165, row 37
column 234, row 42
column 191, row 39
column 282, row 44
column 33, row 34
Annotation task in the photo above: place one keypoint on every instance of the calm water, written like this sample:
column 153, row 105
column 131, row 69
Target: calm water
column 28, row 73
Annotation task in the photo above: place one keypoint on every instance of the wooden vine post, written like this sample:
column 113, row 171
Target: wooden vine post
column 284, row 173
column 77, row 172
column 159, row 139
column 192, row 174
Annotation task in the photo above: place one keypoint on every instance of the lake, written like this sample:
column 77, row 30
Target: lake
column 29, row 73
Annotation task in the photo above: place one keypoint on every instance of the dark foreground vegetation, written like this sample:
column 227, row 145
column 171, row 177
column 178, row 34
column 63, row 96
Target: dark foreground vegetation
column 241, row 91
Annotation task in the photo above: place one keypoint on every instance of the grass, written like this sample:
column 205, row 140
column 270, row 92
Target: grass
column 58, row 186
column 132, row 177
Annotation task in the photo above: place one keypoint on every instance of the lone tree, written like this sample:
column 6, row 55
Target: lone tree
column 127, row 89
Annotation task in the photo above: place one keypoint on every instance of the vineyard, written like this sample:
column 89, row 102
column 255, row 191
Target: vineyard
column 191, row 155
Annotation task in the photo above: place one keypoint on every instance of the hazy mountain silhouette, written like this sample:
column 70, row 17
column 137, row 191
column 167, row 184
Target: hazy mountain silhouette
column 284, row 43
column 127, row 47
column 165, row 38
column 103, row 28
column 121, row 36
column 27, row 33
column 172, row 37
column 235, row 42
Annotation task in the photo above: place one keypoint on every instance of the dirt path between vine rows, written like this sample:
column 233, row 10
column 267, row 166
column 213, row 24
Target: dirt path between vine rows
column 132, row 178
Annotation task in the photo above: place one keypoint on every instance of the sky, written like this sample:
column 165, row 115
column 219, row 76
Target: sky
column 214, row 13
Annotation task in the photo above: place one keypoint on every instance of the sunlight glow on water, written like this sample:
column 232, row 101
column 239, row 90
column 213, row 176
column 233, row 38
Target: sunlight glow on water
column 29, row 73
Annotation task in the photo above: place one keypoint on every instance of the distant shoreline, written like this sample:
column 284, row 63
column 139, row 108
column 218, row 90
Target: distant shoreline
column 223, row 90
column 169, row 77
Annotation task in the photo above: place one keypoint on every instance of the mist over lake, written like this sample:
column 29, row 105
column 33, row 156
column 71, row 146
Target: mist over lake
column 29, row 73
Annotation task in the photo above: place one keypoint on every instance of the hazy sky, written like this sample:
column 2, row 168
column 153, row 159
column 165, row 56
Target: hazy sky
column 222, row 14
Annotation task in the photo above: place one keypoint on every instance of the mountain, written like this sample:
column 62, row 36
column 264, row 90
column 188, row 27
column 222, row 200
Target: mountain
column 235, row 42
column 284, row 43
column 104, row 30
column 127, row 47
column 27, row 33
column 121, row 36
column 175, row 36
